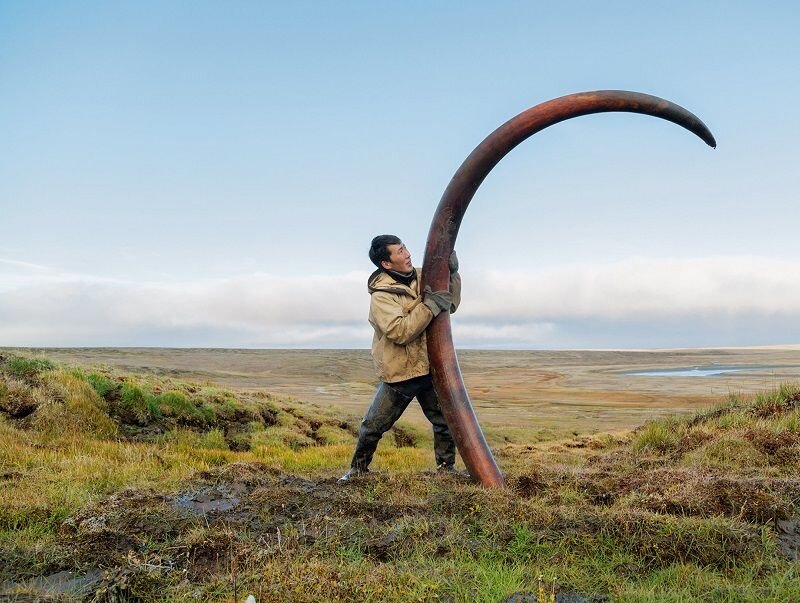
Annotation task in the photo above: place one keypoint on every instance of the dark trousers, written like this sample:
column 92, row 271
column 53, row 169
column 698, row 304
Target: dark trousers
column 391, row 399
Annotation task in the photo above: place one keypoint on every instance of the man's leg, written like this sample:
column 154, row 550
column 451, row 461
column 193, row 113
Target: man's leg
column 386, row 408
column 443, row 445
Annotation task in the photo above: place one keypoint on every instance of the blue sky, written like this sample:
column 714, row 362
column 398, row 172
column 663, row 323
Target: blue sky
column 211, row 173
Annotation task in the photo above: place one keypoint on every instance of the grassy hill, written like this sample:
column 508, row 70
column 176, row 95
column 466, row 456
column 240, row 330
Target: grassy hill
column 128, row 487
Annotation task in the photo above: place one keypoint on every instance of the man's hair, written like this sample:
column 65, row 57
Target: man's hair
column 379, row 248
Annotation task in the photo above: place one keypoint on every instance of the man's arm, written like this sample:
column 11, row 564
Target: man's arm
column 455, row 281
column 455, row 291
column 389, row 318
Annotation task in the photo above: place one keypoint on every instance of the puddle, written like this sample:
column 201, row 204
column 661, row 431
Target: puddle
column 697, row 371
column 217, row 499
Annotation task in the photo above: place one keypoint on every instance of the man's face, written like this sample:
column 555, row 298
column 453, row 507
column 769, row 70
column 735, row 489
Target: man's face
column 399, row 259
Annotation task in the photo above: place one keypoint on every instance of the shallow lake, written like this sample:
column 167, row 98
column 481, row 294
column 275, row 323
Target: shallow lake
column 697, row 371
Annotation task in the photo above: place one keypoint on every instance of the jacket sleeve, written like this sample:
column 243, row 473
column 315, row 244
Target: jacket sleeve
column 455, row 290
column 399, row 328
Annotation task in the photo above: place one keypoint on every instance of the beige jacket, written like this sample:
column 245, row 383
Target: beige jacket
column 399, row 318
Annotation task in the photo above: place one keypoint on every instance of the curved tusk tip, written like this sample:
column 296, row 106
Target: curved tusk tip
column 708, row 138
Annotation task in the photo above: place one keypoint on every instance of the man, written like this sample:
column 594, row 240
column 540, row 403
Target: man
column 399, row 315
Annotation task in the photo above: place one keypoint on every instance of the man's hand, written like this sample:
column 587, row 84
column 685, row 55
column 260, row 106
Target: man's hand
column 453, row 262
column 437, row 301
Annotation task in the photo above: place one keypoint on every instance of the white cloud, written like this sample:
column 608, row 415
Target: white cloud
column 547, row 306
column 643, row 288
column 487, row 333
column 256, row 309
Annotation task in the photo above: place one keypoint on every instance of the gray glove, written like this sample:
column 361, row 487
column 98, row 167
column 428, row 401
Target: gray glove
column 453, row 262
column 437, row 301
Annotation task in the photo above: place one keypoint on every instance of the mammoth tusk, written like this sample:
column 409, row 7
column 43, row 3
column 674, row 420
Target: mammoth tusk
column 447, row 379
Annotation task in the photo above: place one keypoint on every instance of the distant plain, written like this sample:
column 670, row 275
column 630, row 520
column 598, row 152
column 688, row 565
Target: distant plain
column 517, row 394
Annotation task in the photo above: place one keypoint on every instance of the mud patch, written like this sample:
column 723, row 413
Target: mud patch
column 217, row 499
column 788, row 536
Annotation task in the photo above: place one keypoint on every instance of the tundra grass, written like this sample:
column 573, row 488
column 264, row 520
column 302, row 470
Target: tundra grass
column 209, row 494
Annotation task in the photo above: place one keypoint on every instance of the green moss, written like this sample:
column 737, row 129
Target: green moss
column 176, row 405
column 102, row 384
column 142, row 407
column 218, row 397
column 27, row 369
column 207, row 413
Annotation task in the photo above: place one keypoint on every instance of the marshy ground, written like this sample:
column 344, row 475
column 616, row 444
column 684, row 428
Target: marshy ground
column 132, row 484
